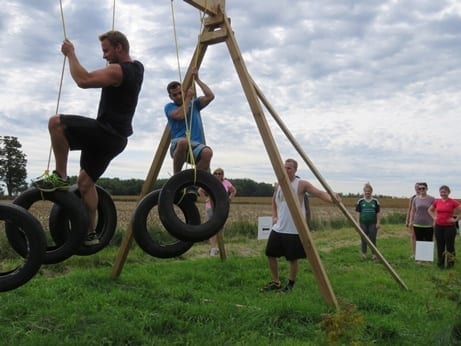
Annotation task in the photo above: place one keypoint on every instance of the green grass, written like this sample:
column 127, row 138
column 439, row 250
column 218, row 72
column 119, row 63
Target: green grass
column 198, row 300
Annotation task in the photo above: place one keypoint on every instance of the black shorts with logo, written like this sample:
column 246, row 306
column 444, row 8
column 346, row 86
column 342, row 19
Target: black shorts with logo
column 98, row 143
column 283, row 244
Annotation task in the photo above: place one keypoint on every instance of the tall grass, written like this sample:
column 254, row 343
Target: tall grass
column 198, row 300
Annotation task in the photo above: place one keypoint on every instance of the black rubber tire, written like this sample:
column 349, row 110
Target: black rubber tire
column 174, row 187
column 105, row 227
column 78, row 217
column 154, row 247
column 31, row 231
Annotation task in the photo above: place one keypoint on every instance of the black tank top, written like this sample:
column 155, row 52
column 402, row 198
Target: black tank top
column 118, row 104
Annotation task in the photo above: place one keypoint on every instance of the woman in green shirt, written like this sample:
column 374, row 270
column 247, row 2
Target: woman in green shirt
column 368, row 215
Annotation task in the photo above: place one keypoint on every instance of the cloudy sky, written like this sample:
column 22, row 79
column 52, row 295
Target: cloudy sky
column 371, row 89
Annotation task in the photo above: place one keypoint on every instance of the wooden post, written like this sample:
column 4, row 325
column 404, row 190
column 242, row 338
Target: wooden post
column 157, row 162
column 279, row 169
column 222, row 248
column 326, row 186
column 147, row 186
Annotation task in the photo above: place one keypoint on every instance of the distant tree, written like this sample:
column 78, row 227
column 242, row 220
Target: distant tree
column 248, row 187
column 12, row 165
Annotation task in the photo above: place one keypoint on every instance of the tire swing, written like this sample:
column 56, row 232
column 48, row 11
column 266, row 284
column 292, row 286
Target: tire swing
column 174, row 188
column 60, row 228
column 150, row 238
column 78, row 218
column 17, row 271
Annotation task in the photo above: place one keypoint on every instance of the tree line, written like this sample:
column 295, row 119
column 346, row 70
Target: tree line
column 129, row 187
column 13, row 174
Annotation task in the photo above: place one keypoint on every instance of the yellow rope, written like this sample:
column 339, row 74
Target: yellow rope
column 47, row 170
column 113, row 16
column 188, row 126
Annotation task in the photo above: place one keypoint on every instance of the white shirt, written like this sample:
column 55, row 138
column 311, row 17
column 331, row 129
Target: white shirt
column 285, row 222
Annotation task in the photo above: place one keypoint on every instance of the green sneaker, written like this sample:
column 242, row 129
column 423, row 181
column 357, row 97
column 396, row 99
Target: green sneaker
column 271, row 286
column 51, row 183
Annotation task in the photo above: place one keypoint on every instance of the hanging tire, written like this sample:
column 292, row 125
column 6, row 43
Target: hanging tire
column 149, row 235
column 60, row 228
column 16, row 269
column 174, row 187
column 78, row 217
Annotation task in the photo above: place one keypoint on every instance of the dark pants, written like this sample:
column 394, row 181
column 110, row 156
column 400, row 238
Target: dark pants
column 98, row 143
column 445, row 239
column 371, row 231
column 424, row 233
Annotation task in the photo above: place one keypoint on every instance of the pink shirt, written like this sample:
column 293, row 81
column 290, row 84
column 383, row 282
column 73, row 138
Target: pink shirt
column 227, row 185
column 444, row 209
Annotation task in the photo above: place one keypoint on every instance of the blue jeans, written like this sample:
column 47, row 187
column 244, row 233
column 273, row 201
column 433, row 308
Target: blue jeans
column 371, row 231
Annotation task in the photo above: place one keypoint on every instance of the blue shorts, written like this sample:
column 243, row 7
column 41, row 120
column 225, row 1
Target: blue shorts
column 196, row 149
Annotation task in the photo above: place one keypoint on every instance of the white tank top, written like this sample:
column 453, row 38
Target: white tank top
column 285, row 222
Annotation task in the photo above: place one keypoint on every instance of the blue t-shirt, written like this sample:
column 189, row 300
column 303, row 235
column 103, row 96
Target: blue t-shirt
column 178, row 127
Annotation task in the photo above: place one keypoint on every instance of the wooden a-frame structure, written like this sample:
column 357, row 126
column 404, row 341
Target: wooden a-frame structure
column 216, row 29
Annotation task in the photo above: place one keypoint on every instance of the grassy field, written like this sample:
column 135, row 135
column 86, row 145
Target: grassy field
column 248, row 209
column 200, row 300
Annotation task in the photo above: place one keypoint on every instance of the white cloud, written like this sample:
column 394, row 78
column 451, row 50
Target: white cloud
column 370, row 89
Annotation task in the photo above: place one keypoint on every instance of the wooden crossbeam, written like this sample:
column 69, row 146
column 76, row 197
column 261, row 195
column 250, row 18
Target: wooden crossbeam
column 210, row 7
column 213, row 37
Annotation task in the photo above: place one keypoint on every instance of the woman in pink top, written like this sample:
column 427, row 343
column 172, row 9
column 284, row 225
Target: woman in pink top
column 231, row 191
column 442, row 211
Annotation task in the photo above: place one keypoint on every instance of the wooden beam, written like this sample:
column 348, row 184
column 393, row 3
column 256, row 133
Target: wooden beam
column 314, row 170
column 146, row 188
column 210, row 7
column 214, row 37
column 277, row 164
column 157, row 162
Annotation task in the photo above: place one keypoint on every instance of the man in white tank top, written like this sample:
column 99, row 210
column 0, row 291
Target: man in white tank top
column 284, row 239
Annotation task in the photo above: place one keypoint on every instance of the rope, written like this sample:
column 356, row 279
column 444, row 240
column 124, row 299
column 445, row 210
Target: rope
column 188, row 125
column 47, row 170
column 113, row 16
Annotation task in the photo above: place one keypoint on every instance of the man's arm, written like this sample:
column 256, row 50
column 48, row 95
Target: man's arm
column 378, row 217
column 312, row 190
column 110, row 75
column 274, row 206
column 208, row 95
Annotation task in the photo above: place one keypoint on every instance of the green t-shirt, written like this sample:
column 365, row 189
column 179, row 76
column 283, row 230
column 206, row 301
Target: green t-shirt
column 368, row 210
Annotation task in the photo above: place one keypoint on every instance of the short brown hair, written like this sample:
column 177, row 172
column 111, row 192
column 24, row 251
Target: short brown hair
column 172, row 85
column 116, row 38
column 293, row 161
column 444, row 187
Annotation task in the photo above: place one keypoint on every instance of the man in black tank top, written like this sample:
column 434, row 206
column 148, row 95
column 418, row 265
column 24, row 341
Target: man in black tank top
column 103, row 138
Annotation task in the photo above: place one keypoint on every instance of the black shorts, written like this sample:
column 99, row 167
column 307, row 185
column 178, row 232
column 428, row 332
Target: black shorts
column 282, row 244
column 98, row 144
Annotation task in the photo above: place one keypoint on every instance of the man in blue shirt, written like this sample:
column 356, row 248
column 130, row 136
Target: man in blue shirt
column 184, row 118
